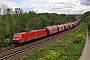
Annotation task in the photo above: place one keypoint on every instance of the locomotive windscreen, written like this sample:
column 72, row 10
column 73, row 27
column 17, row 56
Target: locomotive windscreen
column 16, row 35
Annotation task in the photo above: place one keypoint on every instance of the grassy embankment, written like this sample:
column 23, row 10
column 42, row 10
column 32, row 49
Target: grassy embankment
column 68, row 49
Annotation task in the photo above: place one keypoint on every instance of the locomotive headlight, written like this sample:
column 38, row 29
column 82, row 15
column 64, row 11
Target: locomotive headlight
column 13, row 39
column 17, row 39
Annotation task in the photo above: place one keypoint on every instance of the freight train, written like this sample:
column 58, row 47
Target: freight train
column 22, row 37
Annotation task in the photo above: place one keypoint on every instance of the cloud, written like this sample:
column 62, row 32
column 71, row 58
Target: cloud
column 85, row 2
column 51, row 6
column 9, row 3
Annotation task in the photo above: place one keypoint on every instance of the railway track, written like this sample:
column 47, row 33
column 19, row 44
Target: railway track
column 8, row 48
column 16, row 52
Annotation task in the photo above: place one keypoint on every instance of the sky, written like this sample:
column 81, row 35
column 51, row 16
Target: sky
column 50, row 6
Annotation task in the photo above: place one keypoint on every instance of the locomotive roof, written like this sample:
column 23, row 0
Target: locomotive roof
column 33, row 30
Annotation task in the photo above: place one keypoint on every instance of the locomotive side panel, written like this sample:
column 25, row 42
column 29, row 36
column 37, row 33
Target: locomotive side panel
column 41, row 33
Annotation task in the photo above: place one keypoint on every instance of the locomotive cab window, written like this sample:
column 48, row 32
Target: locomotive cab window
column 16, row 35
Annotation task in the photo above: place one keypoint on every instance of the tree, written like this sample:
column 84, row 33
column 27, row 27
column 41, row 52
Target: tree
column 85, row 15
column 87, row 20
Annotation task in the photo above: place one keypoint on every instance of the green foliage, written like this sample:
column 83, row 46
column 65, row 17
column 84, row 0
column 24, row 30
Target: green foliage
column 24, row 58
column 86, row 19
column 51, row 55
column 68, row 49
column 85, row 15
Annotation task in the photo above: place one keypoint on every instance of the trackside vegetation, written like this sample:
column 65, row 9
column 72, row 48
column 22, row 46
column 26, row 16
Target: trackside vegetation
column 86, row 19
column 69, row 48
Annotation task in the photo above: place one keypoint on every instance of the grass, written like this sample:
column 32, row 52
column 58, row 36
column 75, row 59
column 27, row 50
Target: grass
column 68, row 49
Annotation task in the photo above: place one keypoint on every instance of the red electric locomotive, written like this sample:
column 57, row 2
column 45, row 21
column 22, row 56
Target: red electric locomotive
column 29, row 35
